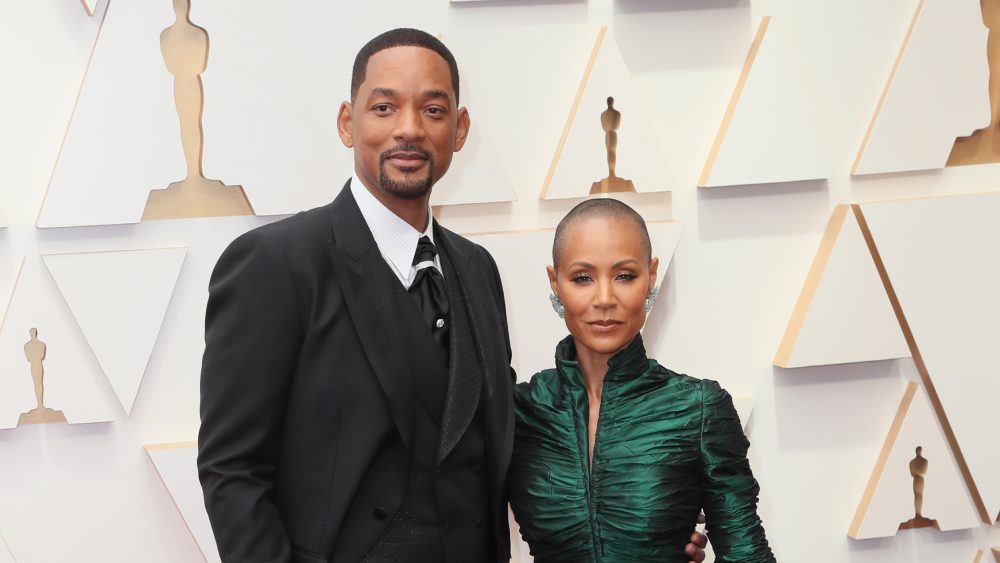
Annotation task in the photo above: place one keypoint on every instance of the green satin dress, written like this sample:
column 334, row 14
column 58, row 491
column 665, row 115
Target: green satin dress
column 667, row 446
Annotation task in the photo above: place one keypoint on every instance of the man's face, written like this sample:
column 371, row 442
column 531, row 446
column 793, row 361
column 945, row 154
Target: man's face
column 404, row 124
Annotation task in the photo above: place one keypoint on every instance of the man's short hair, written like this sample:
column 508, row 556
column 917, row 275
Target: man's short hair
column 603, row 207
column 401, row 37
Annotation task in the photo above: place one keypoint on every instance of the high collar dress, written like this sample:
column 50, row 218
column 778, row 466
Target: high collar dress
column 667, row 446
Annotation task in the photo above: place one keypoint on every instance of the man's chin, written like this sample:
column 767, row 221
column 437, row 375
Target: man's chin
column 408, row 189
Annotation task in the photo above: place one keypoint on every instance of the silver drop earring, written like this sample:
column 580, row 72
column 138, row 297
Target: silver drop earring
column 557, row 305
column 650, row 298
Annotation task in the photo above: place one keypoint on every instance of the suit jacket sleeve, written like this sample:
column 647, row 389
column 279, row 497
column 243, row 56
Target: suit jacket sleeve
column 252, row 339
column 730, row 502
column 502, row 309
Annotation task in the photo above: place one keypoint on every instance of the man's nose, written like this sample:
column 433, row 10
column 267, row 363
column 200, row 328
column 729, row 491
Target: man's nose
column 409, row 126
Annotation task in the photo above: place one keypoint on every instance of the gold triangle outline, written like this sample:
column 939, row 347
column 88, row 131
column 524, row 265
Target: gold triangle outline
column 888, row 85
column 598, row 43
column 734, row 101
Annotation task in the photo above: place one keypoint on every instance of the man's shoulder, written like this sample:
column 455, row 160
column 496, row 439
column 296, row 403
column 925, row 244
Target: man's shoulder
column 466, row 247
column 303, row 228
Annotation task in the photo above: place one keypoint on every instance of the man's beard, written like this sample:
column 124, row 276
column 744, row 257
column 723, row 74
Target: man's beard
column 409, row 188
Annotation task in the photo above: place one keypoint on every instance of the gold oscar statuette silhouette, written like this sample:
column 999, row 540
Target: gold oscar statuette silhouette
column 983, row 145
column 918, row 470
column 34, row 352
column 185, row 53
column 611, row 121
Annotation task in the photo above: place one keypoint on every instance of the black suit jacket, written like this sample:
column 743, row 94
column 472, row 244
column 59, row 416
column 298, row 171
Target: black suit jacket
column 307, row 414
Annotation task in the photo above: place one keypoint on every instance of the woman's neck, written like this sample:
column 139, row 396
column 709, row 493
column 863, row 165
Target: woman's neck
column 593, row 366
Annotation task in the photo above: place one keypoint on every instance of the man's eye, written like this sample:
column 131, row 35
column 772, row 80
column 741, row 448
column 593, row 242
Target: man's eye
column 435, row 111
column 382, row 108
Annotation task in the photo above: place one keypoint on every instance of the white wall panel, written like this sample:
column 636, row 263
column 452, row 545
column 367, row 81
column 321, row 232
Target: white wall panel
column 119, row 299
column 581, row 157
column 890, row 499
column 124, row 137
column 936, row 92
column 939, row 255
column 70, row 374
column 844, row 314
column 768, row 133
column 176, row 464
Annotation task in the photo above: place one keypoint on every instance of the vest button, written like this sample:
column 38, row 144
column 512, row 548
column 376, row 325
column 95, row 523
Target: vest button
column 380, row 513
column 478, row 523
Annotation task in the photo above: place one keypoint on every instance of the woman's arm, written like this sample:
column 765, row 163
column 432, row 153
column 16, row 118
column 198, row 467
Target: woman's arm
column 730, row 500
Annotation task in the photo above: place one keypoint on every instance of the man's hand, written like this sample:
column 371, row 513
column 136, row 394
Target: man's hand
column 696, row 548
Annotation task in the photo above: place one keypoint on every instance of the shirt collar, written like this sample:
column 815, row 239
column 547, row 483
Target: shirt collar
column 396, row 239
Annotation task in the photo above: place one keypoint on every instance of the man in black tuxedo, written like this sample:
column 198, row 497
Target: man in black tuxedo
column 356, row 383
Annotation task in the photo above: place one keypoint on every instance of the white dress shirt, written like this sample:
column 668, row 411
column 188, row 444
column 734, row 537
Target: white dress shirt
column 396, row 239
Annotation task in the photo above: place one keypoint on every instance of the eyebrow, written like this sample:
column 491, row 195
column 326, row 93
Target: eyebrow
column 614, row 266
column 381, row 91
column 391, row 93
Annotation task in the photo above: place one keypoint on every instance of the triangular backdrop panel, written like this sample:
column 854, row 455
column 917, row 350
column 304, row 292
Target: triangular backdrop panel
column 89, row 6
column 744, row 407
column 521, row 258
column 264, row 129
column 119, row 300
column 124, row 136
column 477, row 174
column 938, row 90
column 70, row 372
column 768, row 133
column 940, row 256
column 5, row 555
column 843, row 314
column 581, row 157
column 177, row 467
column 888, row 501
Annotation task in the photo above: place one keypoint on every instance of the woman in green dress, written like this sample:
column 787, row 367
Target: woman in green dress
column 614, row 454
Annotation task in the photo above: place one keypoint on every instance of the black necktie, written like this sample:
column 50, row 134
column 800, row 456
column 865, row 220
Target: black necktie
column 429, row 292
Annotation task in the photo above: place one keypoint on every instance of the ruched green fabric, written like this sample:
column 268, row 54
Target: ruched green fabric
column 667, row 446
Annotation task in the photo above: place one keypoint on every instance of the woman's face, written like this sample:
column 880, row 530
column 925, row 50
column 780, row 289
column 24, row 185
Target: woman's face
column 603, row 278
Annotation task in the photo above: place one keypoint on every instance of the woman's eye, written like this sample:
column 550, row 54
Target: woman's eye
column 625, row 276
column 581, row 278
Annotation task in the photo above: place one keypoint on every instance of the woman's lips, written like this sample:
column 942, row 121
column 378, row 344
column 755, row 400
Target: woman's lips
column 604, row 325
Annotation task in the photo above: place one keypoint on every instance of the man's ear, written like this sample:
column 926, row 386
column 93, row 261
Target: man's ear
column 345, row 119
column 462, row 130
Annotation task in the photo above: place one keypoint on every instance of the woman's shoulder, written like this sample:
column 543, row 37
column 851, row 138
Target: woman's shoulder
column 708, row 390
column 542, row 386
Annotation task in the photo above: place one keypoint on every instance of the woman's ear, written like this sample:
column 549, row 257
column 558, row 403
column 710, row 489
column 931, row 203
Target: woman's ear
column 654, row 264
column 553, row 279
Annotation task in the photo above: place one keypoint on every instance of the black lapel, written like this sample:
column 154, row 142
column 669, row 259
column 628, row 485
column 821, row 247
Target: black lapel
column 489, row 345
column 485, row 316
column 465, row 372
column 361, row 270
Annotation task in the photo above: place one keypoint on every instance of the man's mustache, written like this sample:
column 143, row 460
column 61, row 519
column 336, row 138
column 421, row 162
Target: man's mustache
column 386, row 155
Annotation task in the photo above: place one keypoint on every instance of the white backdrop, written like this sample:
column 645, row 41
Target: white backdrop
column 89, row 492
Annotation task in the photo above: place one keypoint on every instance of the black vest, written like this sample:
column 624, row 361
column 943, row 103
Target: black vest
column 445, row 514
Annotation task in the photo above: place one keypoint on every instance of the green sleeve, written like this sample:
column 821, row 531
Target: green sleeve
column 730, row 500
